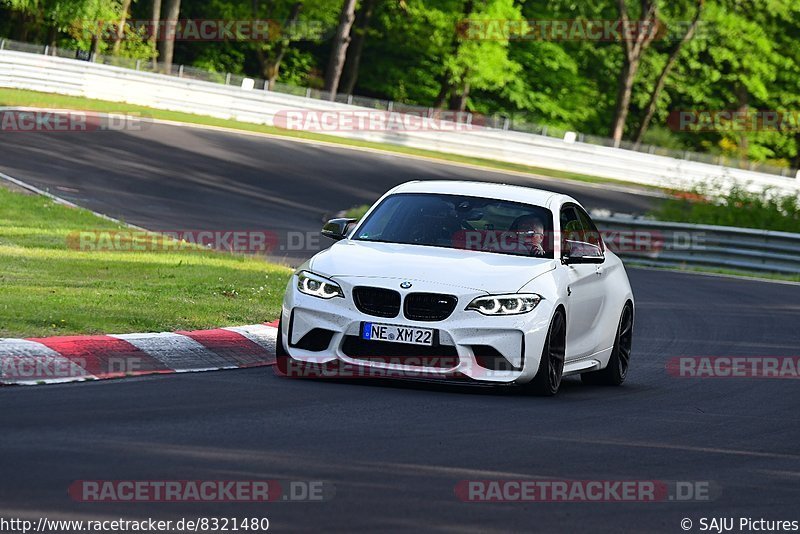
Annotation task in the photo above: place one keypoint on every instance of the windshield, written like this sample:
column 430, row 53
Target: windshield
column 456, row 221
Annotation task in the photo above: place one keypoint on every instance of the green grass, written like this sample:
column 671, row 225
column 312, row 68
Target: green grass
column 16, row 97
column 48, row 288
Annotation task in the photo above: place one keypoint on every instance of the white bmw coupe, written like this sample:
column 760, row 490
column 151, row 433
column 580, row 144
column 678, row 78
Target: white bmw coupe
column 496, row 284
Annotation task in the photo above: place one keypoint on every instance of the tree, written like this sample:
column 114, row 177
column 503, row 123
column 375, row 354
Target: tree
column 339, row 47
column 633, row 50
column 356, row 48
column 665, row 72
column 155, row 20
column 168, row 39
column 270, row 54
column 126, row 5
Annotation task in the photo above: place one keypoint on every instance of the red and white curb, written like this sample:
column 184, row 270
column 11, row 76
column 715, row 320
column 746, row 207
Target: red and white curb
column 76, row 358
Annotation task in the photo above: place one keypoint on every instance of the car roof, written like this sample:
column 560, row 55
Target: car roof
column 514, row 193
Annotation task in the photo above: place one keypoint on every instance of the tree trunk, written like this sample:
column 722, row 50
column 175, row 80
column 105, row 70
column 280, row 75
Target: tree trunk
column 633, row 51
column 743, row 99
column 52, row 35
column 339, row 48
column 155, row 18
column 168, row 39
column 126, row 5
column 458, row 98
column 445, row 88
column 449, row 86
column 796, row 160
column 662, row 78
column 22, row 26
column 273, row 68
column 93, row 47
column 624, row 92
column 353, row 61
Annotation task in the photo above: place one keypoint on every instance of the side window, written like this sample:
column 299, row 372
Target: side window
column 570, row 227
column 590, row 232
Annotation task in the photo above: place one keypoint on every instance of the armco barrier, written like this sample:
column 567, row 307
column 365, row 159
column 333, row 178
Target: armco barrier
column 80, row 78
column 672, row 244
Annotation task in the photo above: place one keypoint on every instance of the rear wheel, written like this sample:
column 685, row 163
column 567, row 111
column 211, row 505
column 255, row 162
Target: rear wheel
column 616, row 371
column 551, row 366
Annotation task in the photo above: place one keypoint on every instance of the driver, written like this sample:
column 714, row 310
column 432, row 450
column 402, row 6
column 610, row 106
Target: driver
column 531, row 230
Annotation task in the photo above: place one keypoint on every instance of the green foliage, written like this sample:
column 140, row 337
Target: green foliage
column 738, row 207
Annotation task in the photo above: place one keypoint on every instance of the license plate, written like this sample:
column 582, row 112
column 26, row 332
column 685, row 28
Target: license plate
column 397, row 334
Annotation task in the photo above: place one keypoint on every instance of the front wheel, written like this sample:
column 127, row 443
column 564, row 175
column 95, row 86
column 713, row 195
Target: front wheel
column 616, row 371
column 282, row 358
column 551, row 366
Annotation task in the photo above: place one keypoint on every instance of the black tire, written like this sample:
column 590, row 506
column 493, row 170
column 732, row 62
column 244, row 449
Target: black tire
column 551, row 366
column 616, row 371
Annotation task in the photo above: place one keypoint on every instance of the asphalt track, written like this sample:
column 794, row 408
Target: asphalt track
column 394, row 452
column 166, row 177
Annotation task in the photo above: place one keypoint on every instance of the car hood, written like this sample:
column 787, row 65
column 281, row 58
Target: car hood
column 481, row 271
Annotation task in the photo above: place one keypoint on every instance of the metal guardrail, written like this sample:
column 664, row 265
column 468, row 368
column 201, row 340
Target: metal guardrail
column 672, row 244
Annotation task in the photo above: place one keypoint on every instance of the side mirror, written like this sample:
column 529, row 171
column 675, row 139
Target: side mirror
column 337, row 229
column 581, row 252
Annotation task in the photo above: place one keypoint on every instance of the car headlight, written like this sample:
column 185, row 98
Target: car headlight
column 317, row 286
column 513, row 304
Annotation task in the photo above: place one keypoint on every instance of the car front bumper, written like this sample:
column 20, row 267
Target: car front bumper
column 467, row 340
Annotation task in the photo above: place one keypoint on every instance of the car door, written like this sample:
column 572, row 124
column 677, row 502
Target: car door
column 586, row 293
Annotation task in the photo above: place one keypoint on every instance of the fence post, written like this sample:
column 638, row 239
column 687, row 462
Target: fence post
column 2, row 44
column 349, row 99
column 308, row 92
column 390, row 106
column 46, row 49
column 227, row 78
column 180, row 71
column 506, row 123
column 138, row 63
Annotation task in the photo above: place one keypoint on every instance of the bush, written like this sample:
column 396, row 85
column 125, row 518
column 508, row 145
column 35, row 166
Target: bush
column 768, row 210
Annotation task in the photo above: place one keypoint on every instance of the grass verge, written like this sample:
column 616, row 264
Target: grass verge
column 20, row 98
column 48, row 288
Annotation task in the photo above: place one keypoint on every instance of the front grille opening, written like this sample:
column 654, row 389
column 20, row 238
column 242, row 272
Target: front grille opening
column 488, row 357
column 429, row 306
column 439, row 357
column 316, row 340
column 377, row 301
